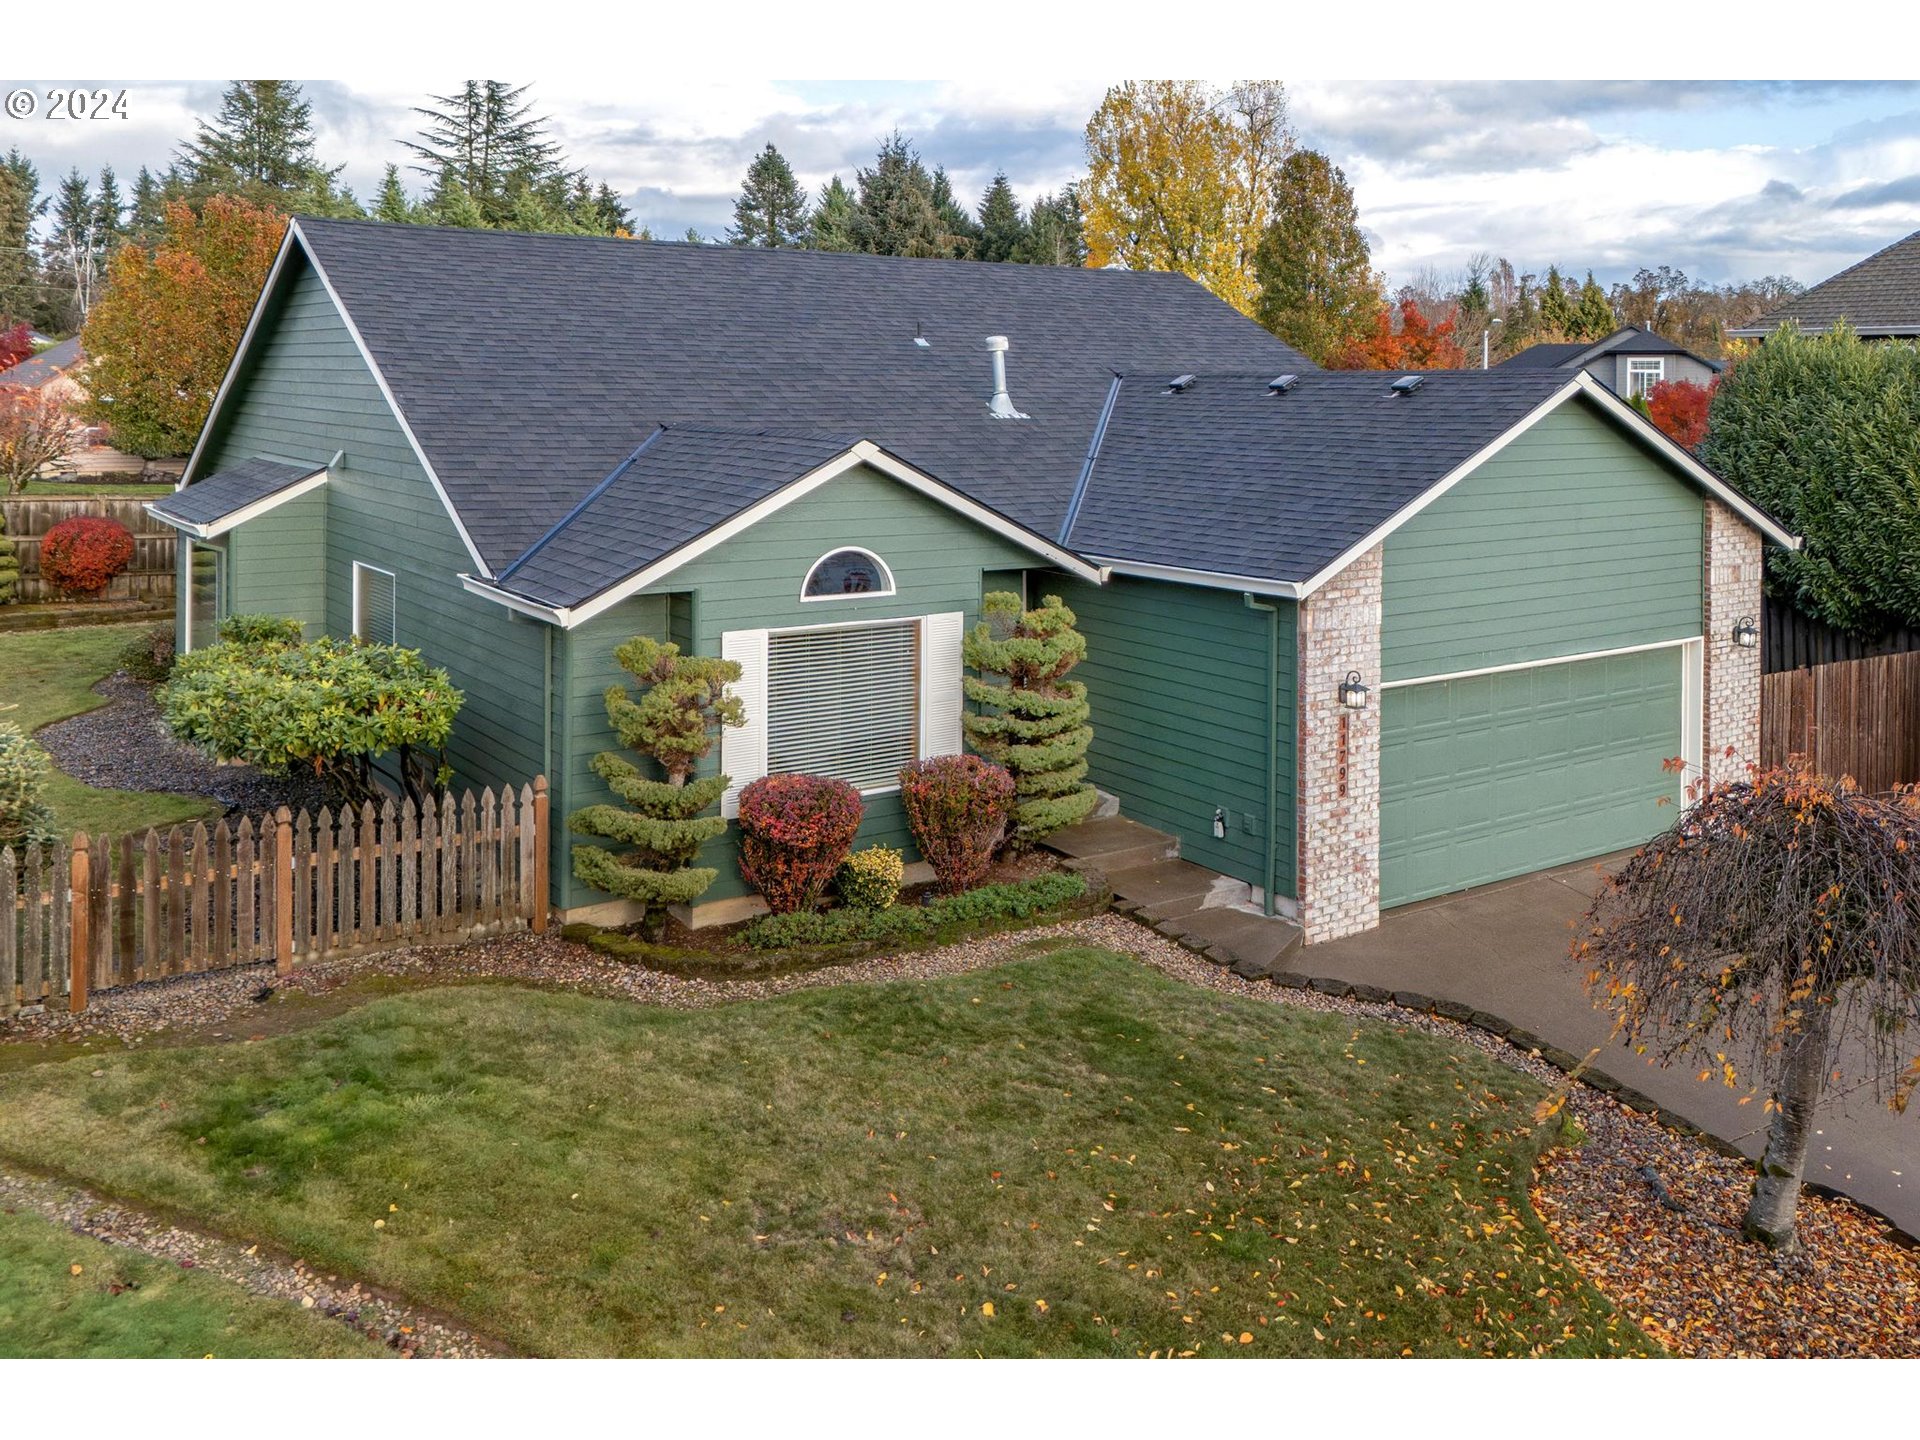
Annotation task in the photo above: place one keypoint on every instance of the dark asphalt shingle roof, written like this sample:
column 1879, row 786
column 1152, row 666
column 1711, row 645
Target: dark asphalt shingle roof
column 1549, row 356
column 36, row 370
column 1879, row 295
column 633, row 335
column 1227, row 477
column 1627, row 340
column 218, row 495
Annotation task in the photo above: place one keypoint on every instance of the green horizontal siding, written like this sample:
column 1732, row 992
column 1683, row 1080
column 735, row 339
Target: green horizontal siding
column 752, row 582
column 1572, row 539
column 1177, row 678
column 277, row 563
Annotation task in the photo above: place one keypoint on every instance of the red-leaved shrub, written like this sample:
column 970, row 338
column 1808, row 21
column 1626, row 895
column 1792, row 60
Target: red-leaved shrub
column 80, row 556
column 794, row 832
column 958, row 808
column 1679, row 407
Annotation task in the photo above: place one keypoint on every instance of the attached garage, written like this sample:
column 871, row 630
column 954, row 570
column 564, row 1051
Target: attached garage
column 1486, row 776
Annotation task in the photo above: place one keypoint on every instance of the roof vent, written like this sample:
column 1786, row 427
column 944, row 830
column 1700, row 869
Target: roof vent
column 1407, row 384
column 1000, row 407
column 919, row 338
column 1180, row 384
column 1281, row 384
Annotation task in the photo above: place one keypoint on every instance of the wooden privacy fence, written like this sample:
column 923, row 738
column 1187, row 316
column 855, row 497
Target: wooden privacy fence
column 98, row 914
column 1854, row 717
column 149, row 577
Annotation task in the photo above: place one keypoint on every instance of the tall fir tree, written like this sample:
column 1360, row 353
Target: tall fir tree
column 612, row 214
column 109, row 209
column 1556, row 305
column 1055, row 233
column 73, row 256
column 830, row 227
column 486, row 141
column 147, row 207
column 22, row 296
column 1317, row 287
column 391, row 204
column 1593, row 317
column 959, row 231
column 771, row 212
column 1003, row 230
column 260, row 146
column 895, row 214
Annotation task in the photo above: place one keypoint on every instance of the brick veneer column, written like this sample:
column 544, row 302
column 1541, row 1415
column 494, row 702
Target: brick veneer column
column 1732, row 560
column 1339, row 834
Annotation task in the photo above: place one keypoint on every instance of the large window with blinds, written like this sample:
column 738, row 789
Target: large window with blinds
column 844, row 702
column 373, row 604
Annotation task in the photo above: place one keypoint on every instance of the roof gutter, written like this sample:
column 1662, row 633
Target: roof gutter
column 1208, row 579
column 551, row 614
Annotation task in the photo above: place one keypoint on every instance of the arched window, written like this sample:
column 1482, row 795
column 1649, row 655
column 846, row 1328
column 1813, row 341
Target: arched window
column 843, row 574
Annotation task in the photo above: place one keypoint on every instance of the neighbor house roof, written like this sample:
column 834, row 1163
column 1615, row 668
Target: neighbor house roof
column 635, row 335
column 1627, row 340
column 215, row 504
column 1879, row 296
column 36, row 370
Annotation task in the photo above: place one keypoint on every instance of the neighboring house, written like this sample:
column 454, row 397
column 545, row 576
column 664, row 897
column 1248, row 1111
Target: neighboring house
column 1879, row 298
column 45, row 367
column 1629, row 362
column 805, row 462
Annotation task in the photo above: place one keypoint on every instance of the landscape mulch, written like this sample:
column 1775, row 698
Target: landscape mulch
column 1649, row 1216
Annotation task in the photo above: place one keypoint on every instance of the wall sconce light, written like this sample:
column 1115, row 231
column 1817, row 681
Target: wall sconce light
column 1353, row 691
column 1746, row 634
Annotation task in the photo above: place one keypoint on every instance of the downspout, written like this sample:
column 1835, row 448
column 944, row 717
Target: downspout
column 1273, row 742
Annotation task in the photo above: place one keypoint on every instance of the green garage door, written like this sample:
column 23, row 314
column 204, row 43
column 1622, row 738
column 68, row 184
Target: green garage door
column 1501, row 774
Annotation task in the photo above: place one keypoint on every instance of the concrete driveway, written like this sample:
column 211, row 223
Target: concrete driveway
column 1503, row 949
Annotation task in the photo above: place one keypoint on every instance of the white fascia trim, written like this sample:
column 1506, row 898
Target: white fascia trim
column 360, row 343
column 245, row 513
column 864, row 452
column 1539, row 664
column 1624, row 413
column 1208, row 579
column 233, row 366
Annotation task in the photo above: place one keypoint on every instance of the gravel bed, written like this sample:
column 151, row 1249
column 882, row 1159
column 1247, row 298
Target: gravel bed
column 124, row 745
column 1677, row 1266
column 394, row 1323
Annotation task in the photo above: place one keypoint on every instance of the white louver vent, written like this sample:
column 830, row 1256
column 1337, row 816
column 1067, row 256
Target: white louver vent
column 373, row 605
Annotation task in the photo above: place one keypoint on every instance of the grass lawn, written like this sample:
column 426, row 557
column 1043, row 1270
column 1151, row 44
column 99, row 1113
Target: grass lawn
column 48, row 675
column 64, row 1296
column 1068, row 1155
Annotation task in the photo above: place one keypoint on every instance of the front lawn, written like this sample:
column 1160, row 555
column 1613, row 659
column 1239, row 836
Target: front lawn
column 1068, row 1155
column 48, row 675
column 64, row 1296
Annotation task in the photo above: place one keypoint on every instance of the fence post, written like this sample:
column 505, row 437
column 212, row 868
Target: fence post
column 79, row 941
column 283, row 891
column 541, row 855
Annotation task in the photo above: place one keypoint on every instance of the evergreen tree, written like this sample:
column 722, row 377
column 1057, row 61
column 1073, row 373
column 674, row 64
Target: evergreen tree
column 1556, row 305
column 109, row 210
column 1032, row 720
column 895, row 214
column 1593, row 317
column 674, row 723
column 487, row 143
column 74, row 252
column 1317, row 288
column 694, row 237
column 772, row 209
column 614, row 218
column 260, row 146
column 147, row 208
column 391, row 205
column 830, row 227
column 1002, row 230
column 22, row 297
column 1054, row 232
column 959, row 232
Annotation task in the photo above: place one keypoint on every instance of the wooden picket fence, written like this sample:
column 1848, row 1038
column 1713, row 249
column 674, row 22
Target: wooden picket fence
column 95, row 915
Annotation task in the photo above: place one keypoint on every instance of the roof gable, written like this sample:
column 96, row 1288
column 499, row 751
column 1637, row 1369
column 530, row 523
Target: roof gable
column 1879, row 295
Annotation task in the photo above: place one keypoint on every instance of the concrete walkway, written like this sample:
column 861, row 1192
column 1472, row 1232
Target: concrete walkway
column 1502, row 951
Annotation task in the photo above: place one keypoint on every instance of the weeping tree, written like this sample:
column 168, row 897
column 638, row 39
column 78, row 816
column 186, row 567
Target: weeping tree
column 1032, row 719
column 674, row 722
column 1773, row 936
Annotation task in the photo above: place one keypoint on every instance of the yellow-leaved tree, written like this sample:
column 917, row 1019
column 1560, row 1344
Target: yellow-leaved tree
column 1180, row 176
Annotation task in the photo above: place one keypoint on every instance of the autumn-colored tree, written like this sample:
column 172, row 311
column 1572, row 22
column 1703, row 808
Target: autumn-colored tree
column 16, row 344
column 1679, row 408
column 1417, row 344
column 1773, row 934
column 1181, row 175
column 35, row 431
column 160, row 339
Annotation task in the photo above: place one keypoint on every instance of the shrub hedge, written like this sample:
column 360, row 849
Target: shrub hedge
column 1016, row 900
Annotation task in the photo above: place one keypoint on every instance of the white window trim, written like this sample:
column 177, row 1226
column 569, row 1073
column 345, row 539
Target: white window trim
column 886, row 572
column 358, row 566
column 1648, row 371
column 219, row 552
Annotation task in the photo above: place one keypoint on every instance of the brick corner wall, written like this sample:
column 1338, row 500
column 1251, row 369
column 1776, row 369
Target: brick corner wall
column 1732, row 672
column 1339, row 827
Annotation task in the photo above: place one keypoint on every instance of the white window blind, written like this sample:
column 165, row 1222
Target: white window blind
column 844, row 702
column 373, row 605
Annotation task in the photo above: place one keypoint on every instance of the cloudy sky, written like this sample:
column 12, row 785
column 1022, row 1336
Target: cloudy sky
column 1723, row 179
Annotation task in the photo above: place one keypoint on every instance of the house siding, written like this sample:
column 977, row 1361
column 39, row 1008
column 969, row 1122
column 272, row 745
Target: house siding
column 1611, row 370
column 306, row 393
column 1177, row 677
column 940, row 562
column 1570, row 540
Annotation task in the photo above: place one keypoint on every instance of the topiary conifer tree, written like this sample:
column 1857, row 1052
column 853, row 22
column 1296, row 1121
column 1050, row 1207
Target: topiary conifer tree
column 1032, row 719
column 9, row 565
column 675, row 722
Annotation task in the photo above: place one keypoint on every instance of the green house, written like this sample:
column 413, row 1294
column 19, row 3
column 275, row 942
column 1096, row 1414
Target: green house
column 1355, row 639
